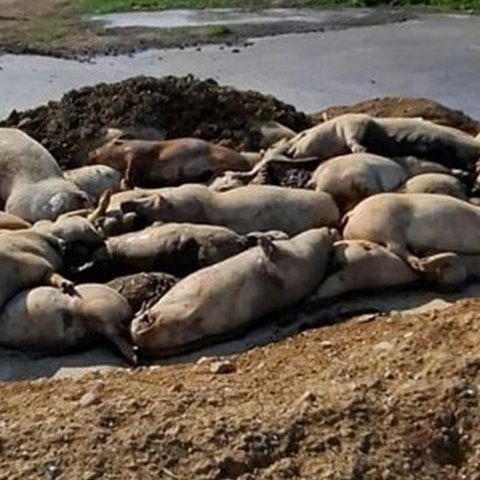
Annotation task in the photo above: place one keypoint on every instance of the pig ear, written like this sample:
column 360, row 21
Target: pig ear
column 161, row 200
column 269, row 248
column 125, row 136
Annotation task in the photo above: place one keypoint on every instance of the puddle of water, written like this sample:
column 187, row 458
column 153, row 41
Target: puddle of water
column 460, row 16
column 223, row 16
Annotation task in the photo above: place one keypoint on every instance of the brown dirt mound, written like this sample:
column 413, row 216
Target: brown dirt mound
column 405, row 107
column 395, row 397
column 182, row 106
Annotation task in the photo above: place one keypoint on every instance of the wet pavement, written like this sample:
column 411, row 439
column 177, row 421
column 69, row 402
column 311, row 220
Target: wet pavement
column 227, row 16
column 436, row 56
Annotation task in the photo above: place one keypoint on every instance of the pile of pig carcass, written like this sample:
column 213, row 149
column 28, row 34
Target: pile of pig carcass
column 191, row 244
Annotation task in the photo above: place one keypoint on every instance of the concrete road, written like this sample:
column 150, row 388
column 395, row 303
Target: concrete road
column 435, row 56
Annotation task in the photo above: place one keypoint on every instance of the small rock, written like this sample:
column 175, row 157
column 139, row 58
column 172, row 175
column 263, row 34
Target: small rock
column 326, row 344
column 224, row 366
column 366, row 318
column 308, row 396
column 408, row 335
column 90, row 475
column 383, row 346
column 469, row 393
column 93, row 397
column 236, row 50
column 52, row 469
column 203, row 360
column 24, row 121
column 260, row 366
column 175, row 388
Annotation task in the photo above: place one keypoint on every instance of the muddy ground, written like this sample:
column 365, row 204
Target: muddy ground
column 58, row 28
column 382, row 397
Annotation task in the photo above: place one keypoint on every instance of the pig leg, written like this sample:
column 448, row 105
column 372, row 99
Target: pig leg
column 128, row 180
column 353, row 144
column 444, row 269
column 333, row 286
column 102, row 206
column 253, row 237
column 352, row 137
column 401, row 251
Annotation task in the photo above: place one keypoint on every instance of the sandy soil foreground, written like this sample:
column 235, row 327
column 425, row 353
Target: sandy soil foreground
column 377, row 397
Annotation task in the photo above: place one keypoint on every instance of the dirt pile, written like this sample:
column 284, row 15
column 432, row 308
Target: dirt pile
column 404, row 107
column 182, row 106
column 376, row 398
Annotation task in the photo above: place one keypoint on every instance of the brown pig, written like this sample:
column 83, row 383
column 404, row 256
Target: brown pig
column 169, row 162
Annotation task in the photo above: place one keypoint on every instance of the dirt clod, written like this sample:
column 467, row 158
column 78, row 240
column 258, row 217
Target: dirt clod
column 223, row 366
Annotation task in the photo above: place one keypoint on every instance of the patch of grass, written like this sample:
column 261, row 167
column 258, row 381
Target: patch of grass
column 107, row 6
column 447, row 4
column 218, row 31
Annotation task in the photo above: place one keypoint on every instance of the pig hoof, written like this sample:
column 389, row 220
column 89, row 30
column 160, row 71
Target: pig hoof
column 126, row 184
column 416, row 264
column 358, row 149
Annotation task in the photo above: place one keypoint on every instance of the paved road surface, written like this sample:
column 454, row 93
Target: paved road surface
column 436, row 57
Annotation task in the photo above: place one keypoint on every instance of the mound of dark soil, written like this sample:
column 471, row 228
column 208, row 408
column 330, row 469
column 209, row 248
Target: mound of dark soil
column 182, row 106
column 404, row 107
